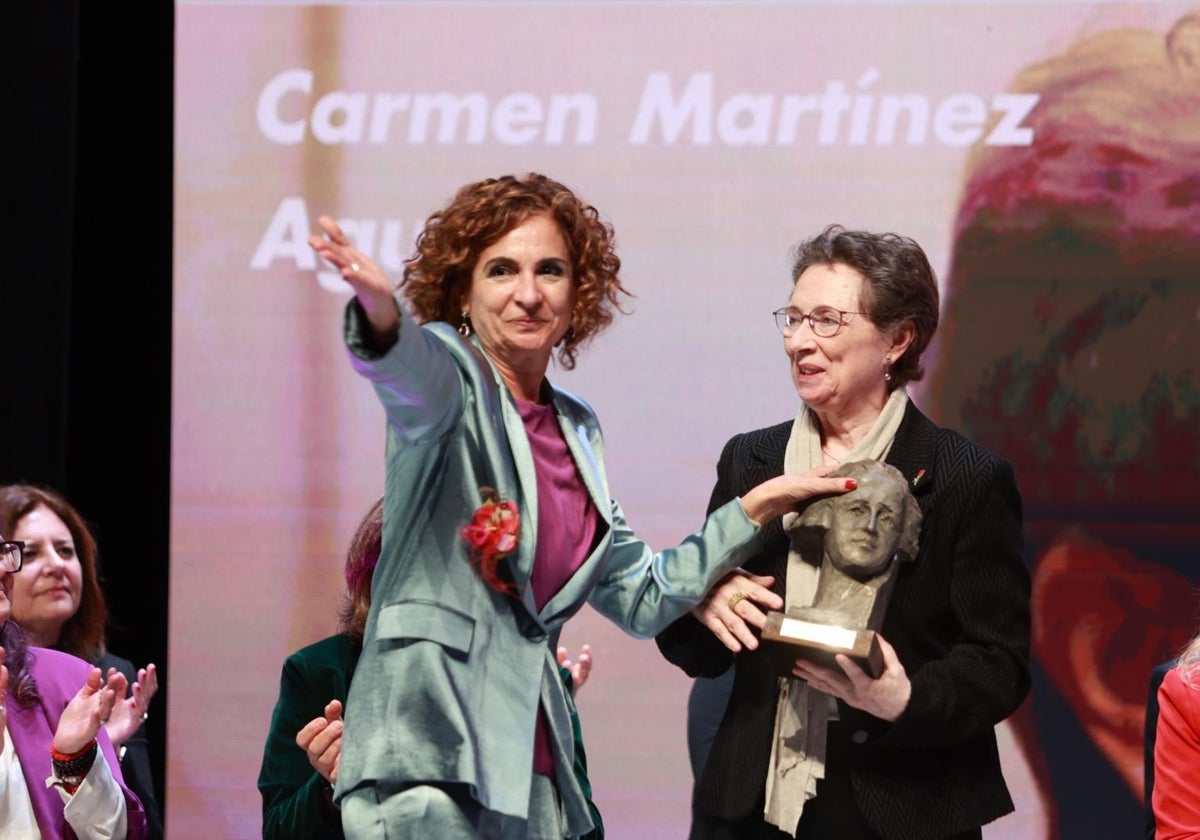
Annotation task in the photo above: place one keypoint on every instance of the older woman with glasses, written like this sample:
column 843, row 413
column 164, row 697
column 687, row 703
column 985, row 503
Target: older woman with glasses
column 832, row 752
column 59, row 775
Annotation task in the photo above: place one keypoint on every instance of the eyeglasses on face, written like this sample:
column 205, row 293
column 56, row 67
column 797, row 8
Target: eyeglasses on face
column 825, row 321
column 12, row 555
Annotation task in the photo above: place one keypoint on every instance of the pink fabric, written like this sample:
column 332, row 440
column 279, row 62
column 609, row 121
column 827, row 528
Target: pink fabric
column 566, row 516
column 566, row 528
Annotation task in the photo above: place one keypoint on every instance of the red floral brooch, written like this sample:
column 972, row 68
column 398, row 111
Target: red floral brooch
column 493, row 535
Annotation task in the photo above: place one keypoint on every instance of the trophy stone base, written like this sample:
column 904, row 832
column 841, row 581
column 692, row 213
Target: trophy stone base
column 819, row 643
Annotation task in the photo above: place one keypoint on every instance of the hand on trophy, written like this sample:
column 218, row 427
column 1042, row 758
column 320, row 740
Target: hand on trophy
column 885, row 697
column 729, row 610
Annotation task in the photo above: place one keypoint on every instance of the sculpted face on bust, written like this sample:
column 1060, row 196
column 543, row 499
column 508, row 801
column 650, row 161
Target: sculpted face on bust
column 865, row 527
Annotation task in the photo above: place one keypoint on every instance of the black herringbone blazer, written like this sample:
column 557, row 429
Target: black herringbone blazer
column 958, row 619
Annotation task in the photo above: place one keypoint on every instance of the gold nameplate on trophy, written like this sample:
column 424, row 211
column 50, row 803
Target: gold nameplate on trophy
column 820, row 643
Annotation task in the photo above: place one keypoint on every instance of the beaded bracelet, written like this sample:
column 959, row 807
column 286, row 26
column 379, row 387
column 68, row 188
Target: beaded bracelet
column 73, row 765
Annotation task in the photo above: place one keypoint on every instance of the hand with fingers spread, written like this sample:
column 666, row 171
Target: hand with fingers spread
column 129, row 713
column 370, row 283
column 321, row 739
column 885, row 697
column 579, row 669
column 732, row 608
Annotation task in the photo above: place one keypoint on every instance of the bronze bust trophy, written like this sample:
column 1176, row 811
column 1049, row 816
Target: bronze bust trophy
column 859, row 539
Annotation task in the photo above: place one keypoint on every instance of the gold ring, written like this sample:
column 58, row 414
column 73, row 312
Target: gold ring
column 735, row 599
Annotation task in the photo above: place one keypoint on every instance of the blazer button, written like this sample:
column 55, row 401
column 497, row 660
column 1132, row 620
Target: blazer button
column 860, row 736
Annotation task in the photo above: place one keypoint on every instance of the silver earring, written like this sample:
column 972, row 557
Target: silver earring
column 887, row 370
column 464, row 325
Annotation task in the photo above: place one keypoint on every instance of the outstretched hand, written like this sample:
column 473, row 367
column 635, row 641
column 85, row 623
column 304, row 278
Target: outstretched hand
column 781, row 494
column 731, row 608
column 130, row 712
column 370, row 284
column 579, row 669
column 321, row 740
column 885, row 697
column 88, row 710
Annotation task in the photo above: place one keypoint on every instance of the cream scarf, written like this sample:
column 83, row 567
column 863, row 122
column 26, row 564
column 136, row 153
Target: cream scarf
column 801, row 715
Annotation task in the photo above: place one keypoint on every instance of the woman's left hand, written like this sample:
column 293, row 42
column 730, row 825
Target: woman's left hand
column 129, row 713
column 885, row 697
column 321, row 740
column 88, row 710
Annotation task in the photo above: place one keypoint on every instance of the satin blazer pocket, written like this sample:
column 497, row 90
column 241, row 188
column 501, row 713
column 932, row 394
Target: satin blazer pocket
column 406, row 622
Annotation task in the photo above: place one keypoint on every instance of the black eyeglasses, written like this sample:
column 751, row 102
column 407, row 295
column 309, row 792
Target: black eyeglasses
column 12, row 555
column 825, row 321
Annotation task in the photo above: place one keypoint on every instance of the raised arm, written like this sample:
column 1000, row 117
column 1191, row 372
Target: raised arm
column 371, row 286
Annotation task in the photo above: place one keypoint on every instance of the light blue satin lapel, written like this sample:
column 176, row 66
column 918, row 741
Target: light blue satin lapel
column 587, row 462
column 522, row 564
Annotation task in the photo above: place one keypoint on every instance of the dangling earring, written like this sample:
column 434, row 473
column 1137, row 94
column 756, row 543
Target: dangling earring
column 464, row 325
column 887, row 368
column 567, row 338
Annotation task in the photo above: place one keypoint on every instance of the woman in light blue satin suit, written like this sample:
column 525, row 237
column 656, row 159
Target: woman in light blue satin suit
column 498, row 523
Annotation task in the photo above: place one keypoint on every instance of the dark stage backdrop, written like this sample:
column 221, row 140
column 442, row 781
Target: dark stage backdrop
column 85, row 303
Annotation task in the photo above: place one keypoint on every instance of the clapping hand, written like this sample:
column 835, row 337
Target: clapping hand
column 88, row 710
column 580, row 668
column 321, row 739
column 130, row 712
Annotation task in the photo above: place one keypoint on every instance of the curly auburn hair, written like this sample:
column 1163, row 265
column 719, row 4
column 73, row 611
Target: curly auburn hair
column 361, row 558
column 84, row 633
column 898, row 285
column 437, row 276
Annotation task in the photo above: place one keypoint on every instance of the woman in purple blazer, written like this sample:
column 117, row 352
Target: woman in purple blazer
column 51, row 730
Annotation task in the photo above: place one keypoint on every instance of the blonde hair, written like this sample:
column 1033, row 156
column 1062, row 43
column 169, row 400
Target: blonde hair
column 1189, row 662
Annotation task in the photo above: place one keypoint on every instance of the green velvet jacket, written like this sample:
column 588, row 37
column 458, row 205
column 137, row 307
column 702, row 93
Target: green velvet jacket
column 297, row 803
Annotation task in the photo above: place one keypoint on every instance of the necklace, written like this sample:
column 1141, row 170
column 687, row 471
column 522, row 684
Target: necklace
column 830, row 457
